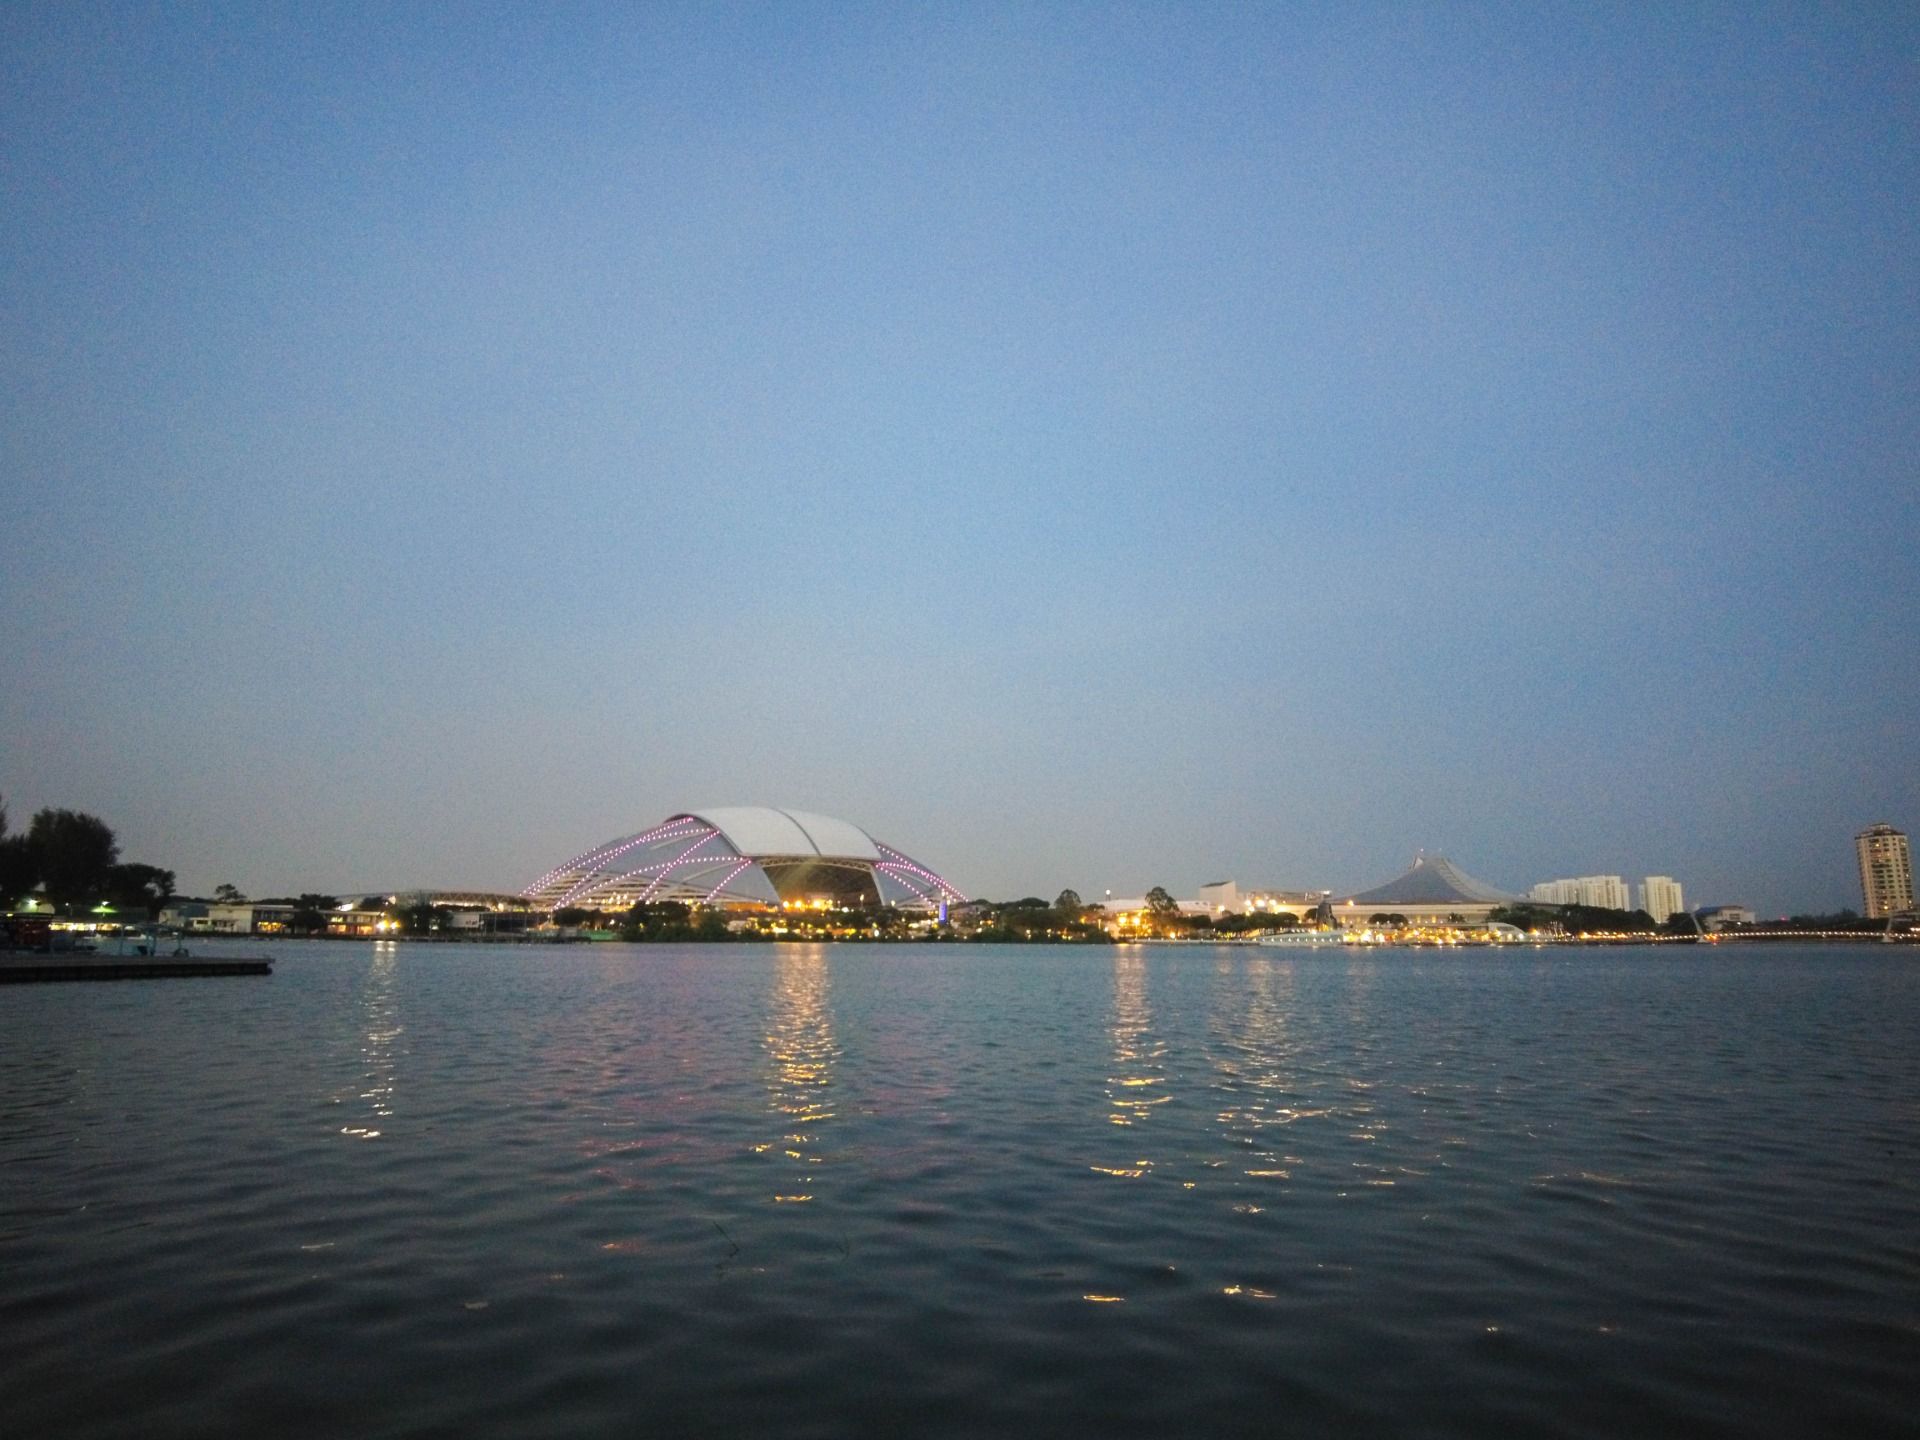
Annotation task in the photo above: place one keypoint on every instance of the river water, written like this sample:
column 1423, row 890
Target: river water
column 967, row 1191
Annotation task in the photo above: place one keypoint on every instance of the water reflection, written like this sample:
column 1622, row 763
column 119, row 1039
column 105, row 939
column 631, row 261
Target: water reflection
column 380, row 1044
column 1137, row 1086
column 801, row 1053
column 1256, row 1079
column 1139, row 1057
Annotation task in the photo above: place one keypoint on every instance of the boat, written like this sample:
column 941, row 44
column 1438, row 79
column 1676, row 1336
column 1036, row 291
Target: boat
column 1304, row 938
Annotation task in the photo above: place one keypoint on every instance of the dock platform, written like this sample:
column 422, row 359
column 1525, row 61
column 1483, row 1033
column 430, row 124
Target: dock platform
column 34, row 969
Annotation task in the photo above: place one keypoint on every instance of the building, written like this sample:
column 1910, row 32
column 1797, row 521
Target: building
column 1604, row 892
column 749, row 856
column 1886, row 871
column 466, row 912
column 1225, row 897
column 1125, row 915
column 1715, row 918
column 1433, row 891
column 205, row 918
column 1599, row 892
column 1660, row 897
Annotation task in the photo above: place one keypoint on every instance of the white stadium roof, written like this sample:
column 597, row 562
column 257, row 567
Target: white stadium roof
column 742, row 855
column 762, row 830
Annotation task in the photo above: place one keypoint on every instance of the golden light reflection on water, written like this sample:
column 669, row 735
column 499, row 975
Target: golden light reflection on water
column 1254, row 1071
column 801, row 1052
column 1266, row 1086
column 1139, row 1082
column 380, row 1043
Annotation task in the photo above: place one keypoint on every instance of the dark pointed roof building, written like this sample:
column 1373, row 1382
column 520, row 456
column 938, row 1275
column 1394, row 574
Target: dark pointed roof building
column 1434, row 880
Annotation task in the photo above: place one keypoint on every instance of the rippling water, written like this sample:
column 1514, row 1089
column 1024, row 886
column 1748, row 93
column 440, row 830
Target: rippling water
column 966, row 1191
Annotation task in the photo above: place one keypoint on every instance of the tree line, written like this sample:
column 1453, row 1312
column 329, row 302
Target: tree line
column 71, row 860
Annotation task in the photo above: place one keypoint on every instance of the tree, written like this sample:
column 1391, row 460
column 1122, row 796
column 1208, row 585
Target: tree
column 1068, row 904
column 228, row 895
column 310, row 913
column 657, row 920
column 1159, row 902
column 423, row 917
column 74, row 852
column 19, row 869
column 140, row 887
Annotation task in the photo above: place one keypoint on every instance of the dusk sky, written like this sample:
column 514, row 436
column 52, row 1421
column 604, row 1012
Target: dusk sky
column 1093, row 446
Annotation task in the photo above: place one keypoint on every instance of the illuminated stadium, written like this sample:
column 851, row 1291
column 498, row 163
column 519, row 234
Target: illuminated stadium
column 747, row 855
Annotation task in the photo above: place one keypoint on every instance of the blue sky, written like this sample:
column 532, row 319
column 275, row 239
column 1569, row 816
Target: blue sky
column 1092, row 446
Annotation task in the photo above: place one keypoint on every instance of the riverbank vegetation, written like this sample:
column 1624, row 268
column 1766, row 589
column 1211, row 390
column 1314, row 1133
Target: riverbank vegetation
column 68, row 862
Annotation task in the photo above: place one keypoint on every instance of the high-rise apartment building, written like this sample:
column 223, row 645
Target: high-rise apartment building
column 1660, row 897
column 1603, row 892
column 1886, row 870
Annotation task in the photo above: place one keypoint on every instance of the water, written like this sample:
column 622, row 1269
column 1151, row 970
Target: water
column 968, row 1190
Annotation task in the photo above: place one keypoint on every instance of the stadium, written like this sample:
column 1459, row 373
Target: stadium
column 744, row 857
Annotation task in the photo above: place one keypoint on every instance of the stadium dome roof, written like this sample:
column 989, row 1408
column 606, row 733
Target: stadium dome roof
column 743, row 855
column 1433, row 880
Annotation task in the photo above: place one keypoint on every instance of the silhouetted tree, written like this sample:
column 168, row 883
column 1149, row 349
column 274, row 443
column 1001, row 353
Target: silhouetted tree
column 139, row 887
column 1068, row 903
column 657, row 920
column 423, row 918
column 19, row 869
column 228, row 895
column 74, row 852
column 1159, row 902
column 310, row 913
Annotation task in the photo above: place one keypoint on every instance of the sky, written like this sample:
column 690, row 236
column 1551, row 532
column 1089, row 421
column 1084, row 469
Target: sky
column 1084, row 445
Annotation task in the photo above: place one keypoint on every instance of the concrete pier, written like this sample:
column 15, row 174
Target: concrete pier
column 32, row 969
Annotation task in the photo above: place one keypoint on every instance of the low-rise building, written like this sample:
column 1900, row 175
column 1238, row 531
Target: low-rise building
column 1715, row 918
column 203, row 918
column 1225, row 897
column 1434, row 891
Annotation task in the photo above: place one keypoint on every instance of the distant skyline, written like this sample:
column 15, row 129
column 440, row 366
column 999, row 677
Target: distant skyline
column 1091, row 446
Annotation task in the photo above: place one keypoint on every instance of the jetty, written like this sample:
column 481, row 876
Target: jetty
column 29, row 969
